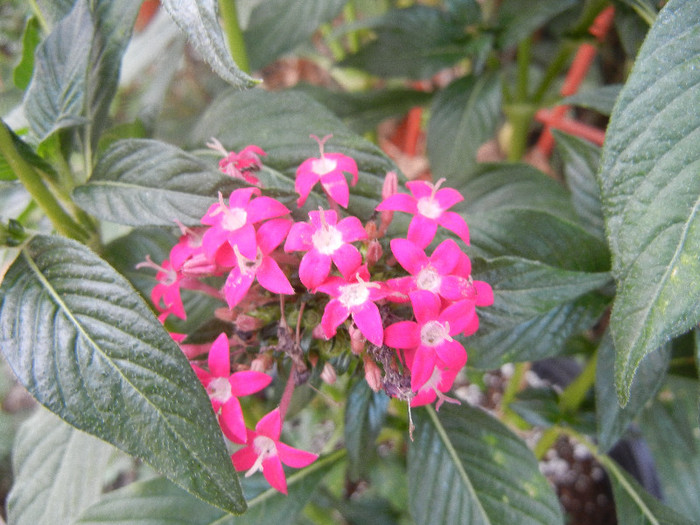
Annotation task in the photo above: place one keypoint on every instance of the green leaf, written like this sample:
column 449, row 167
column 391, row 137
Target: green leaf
column 611, row 418
column 148, row 182
column 635, row 505
column 601, row 99
column 581, row 163
column 463, row 117
column 280, row 123
column 83, row 342
column 28, row 154
column 363, row 111
column 513, row 186
column 520, row 18
column 414, row 42
column 670, row 427
column 277, row 27
column 465, row 467
column 537, row 338
column 364, row 415
column 22, row 73
column 199, row 21
column 159, row 502
column 54, row 10
column 58, row 472
column 524, row 289
column 651, row 192
column 77, row 67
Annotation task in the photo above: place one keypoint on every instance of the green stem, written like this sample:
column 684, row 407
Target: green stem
column 520, row 117
column 574, row 394
column 40, row 17
column 32, row 181
column 524, row 57
column 350, row 15
column 549, row 437
column 555, row 68
column 234, row 35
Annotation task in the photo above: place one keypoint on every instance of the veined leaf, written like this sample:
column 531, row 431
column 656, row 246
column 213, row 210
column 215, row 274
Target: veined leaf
column 613, row 420
column 463, row 117
column 601, row 99
column 159, row 502
column 581, row 163
column 58, row 472
column 364, row 416
column 465, row 467
column 199, row 21
column 22, row 73
column 520, row 18
column 148, row 182
column 651, row 192
column 27, row 154
column 277, row 27
column 54, row 10
column 280, row 123
column 84, row 343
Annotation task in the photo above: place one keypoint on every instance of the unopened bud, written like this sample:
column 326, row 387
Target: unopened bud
column 357, row 340
column 318, row 333
column 328, row 374
column 246, row 323
column 262, row 363
column 391, row 187
column 373, row 374
column 199, row 266
column 374, row 253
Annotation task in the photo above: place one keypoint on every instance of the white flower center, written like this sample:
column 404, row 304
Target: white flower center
column 354, row 294
column 265, row 448
column 219, row 389
column 428, row 207
column 327, row 239
column 428, row 279
column 233, row 218
column 434, row 333
column 323, row 165
column 245, row 265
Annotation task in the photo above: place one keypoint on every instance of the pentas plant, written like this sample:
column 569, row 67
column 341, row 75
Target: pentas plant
column 401, row 309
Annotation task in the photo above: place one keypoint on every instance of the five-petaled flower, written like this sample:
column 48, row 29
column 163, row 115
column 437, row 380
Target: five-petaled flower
column 224, row 388
column 323, row 239
column 265, row 452
column 428, row 203
column 239, row 165
column 329, row 169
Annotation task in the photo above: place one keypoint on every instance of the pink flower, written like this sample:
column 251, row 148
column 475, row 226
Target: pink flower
column 264, row 451
column 325, row 239
column 438, row 383
column 437, row 273
column 328, row 169
column 428, row 203
column 428, row 341
column 166, row 294
column 189, row 245
column 224, row 388
column 354, row 297
column 261, row 267
column 239, row 165
column 232, row 225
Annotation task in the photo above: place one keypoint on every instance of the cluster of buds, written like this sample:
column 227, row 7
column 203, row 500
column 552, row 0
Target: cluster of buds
column 400, row 319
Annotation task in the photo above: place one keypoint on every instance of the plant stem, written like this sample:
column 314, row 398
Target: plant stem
column 574, row 394
column 32, row 181
column 520, row 117
column 234, row 35
column 40, row 16
column 524, row 57
column 549, row 437
column 555, row 67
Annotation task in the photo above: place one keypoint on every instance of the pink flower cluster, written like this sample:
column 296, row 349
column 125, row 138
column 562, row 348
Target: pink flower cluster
column 258, row 251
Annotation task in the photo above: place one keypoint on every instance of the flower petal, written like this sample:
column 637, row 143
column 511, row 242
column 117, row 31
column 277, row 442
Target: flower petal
column 274, row 474
column 404, row 335
column 426, row 305
column 422, row 367
column 232, row 422
column 333, row 315
column 270, row 425
column 272, row 278
column 347, row 259
column 299, row 238
column 237, row 286
column 271, row 234
column 263, row 208
column 248, row 382
column 448, row 197
column 421, row 230
column 452, row 354
column 351, row 229
column 445, row 257
column 295, row 458
column 369, row 321
column 305, row 180
column 219, row 359
column 244, row 459
column 336, row 187
column 409, row 256
column 398, row 202
column 484, row 293
column 420, row 188
column 314, row 268
column 455, row 223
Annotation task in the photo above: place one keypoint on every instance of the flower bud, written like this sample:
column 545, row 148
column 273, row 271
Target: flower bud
column 374, row 253
column 328, row 374
column 357, row 340
column 246, row 323
column 391, row 187
column 373, row 374
column 262, row 363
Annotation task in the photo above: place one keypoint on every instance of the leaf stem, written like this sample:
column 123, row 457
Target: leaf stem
column 524, row 57
column 40, row 16
column 556, row 66
column 574, row 394
column 32, row 181
column 234, row 35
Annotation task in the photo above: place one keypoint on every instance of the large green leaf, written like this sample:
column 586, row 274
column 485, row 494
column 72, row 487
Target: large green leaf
column 670, row 427
column 635, row 505
column 199, row 21
column 364, row 415
column 537, row 338
column 465, row 467
column 159, row 502
column 518, row 19
column 281, row 123
column 581, row 163
column 58, row 472
column 22, row 73
column 148, row 182
column 77, row 67
column 84, row 343
column 611, row 418
column 28, row 154
column 276, row 27
column 414, row 42
column 463, row 117
column 651, row 191
column 601, row 99
column 54, row 10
